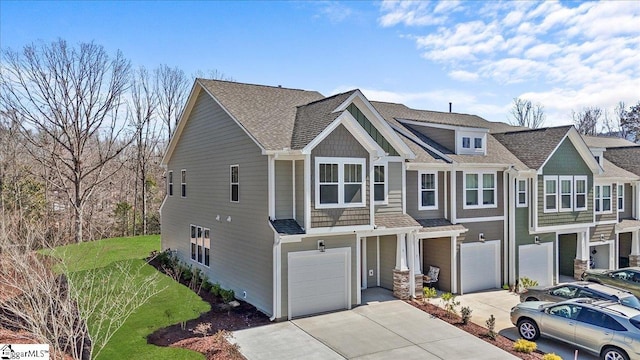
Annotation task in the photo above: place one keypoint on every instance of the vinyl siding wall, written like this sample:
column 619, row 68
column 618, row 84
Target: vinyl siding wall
column 388, row 246
column 300, row 192
column 372, row 261
column 437, row 252
column 340, row 143
column 565, row 161
column 462, row 213
column 413, row 197
column 284, row 189
column 524, row 238
column 241, row 249
column 628, row 202
column 311, row 243
column 444, row 137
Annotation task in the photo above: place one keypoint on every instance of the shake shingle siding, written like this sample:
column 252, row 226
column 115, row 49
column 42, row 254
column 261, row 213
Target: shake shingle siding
column 340, row 143
column 241, row 249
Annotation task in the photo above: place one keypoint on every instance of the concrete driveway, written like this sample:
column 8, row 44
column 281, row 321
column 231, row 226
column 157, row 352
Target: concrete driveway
column 499, row 303
column 379, row 330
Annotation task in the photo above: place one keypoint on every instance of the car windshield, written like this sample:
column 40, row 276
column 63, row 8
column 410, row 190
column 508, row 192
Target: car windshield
column 630, row 301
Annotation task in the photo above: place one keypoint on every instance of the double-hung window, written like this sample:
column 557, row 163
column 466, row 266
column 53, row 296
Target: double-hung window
column 521, row 196
column 427, row 190
column 620, row 197
column 193, row 242
column 480, row 190
column 340, row 182
column 183, row 184
column 207, row 246
column 380, row 184
column 477, row 143
column 580, row 186
column 199, row 242
column 550, row 194
column 566, row 193
column 466, row 142
column 603, row 198
column 234, row 180
column 170, row 183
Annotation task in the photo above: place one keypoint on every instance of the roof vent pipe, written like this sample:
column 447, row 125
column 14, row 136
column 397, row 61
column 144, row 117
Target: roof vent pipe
column 450, row 103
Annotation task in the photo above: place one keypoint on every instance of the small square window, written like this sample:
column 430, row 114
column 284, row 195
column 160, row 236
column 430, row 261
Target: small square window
column 477, row 143
column 466, row 142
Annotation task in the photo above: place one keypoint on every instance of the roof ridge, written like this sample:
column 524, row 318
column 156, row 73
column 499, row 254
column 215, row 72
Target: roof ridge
column 533, row 130
column 280, row 87
column 327, row 98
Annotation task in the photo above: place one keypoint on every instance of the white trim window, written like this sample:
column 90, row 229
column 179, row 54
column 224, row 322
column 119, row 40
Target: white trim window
column 603, row 199
column 170, row 183
column 193, row 243
column 480, row 190
column 521, row 193
column 566, row 193
column 340, row 182
column 183, row 182
column 199, row 243
column 620, row 197
column 427, row 190
column 234, row 183
column 466, row 142
column 550, row 194
column 380, row 189
column 207, row 247
column 580, row 187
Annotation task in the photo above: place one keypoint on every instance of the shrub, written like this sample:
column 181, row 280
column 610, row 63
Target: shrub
column 505, row 287
column 524, row 346
column 215, row 289
column 526, row 283
column 450, row 303
column 491, row 326
column 429, row 293
column 206, row 285
column 551, row 356
column 227, row 295
column 465, row 313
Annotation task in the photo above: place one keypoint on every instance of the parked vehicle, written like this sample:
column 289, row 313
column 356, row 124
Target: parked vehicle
column 580, row 289
column 606, row 328
column 626, row 278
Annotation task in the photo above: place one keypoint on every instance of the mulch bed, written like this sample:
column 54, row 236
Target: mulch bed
column 480, row 332
column 209, row 332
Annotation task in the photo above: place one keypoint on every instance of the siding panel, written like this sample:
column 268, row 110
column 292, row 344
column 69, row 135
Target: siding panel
column 284, row 187
column 388, row 248
column 437, row 252
column 394, row 188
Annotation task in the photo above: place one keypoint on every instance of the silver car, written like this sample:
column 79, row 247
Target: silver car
column 580, row 289
column 605, row 328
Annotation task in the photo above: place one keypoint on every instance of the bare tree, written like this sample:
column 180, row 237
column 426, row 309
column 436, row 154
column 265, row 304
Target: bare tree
column 144, row 103
column 524, row 113
column 172, row 87
column 630, row 123
column 70, row 100
column 586, row 121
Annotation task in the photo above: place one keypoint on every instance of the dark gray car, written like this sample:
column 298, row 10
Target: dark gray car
column 580, row 289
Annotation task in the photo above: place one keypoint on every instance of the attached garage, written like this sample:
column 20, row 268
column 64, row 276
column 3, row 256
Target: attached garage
column 535, row 262
column 479, row 266
column 318, row 281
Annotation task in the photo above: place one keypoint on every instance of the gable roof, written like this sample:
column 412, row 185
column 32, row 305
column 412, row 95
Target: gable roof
column 312, row 118
column 534, row 146
column 267, row 113
column 627, row 158
column 606, row 141
column 611, row 170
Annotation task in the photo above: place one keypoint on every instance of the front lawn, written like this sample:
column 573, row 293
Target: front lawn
column 174, row 303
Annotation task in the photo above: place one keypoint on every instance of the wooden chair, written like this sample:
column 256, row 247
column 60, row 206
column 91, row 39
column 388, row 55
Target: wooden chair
column 431, row 278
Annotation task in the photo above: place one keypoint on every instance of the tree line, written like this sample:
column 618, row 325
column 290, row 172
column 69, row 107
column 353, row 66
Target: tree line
column 592, row 120
column 82, row 133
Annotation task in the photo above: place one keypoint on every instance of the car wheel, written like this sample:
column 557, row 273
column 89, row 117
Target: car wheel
column 528, row 329
column 613, row 353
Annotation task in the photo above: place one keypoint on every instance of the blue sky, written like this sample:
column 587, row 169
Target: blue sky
column 478, row 55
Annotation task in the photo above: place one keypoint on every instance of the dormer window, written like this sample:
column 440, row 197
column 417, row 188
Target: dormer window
column 466, row 142
column 477, row 143
column 471, row 142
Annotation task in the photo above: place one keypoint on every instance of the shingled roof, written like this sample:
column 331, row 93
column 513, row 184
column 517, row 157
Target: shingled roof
column 627, row 158
column 606, row 141
column 311, row 119
column 534, row 146
column 268, row 113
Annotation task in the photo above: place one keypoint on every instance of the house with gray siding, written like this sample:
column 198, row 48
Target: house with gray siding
column 301, row 202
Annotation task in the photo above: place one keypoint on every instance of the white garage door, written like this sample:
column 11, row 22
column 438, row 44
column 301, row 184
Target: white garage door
column 319, row 281
column 480, row 266
column 536, row 263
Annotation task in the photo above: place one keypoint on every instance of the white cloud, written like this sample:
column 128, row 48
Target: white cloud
column 462, row 75
column 409, row 13
column 542, row 51
column 334, row 11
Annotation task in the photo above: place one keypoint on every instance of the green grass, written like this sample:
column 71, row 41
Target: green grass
column 175, row 303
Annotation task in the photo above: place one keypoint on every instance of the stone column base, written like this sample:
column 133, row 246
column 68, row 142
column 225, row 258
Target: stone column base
column 418, row 292
column 634, row 260
column 579, row 266
column 401, row 284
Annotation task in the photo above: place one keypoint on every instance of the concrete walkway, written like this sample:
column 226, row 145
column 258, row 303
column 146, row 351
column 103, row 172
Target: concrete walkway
column 378, row 330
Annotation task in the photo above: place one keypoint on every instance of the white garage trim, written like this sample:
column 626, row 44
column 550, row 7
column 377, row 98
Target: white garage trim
column 318, row 281
column 535, row 261
column 479, row 266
